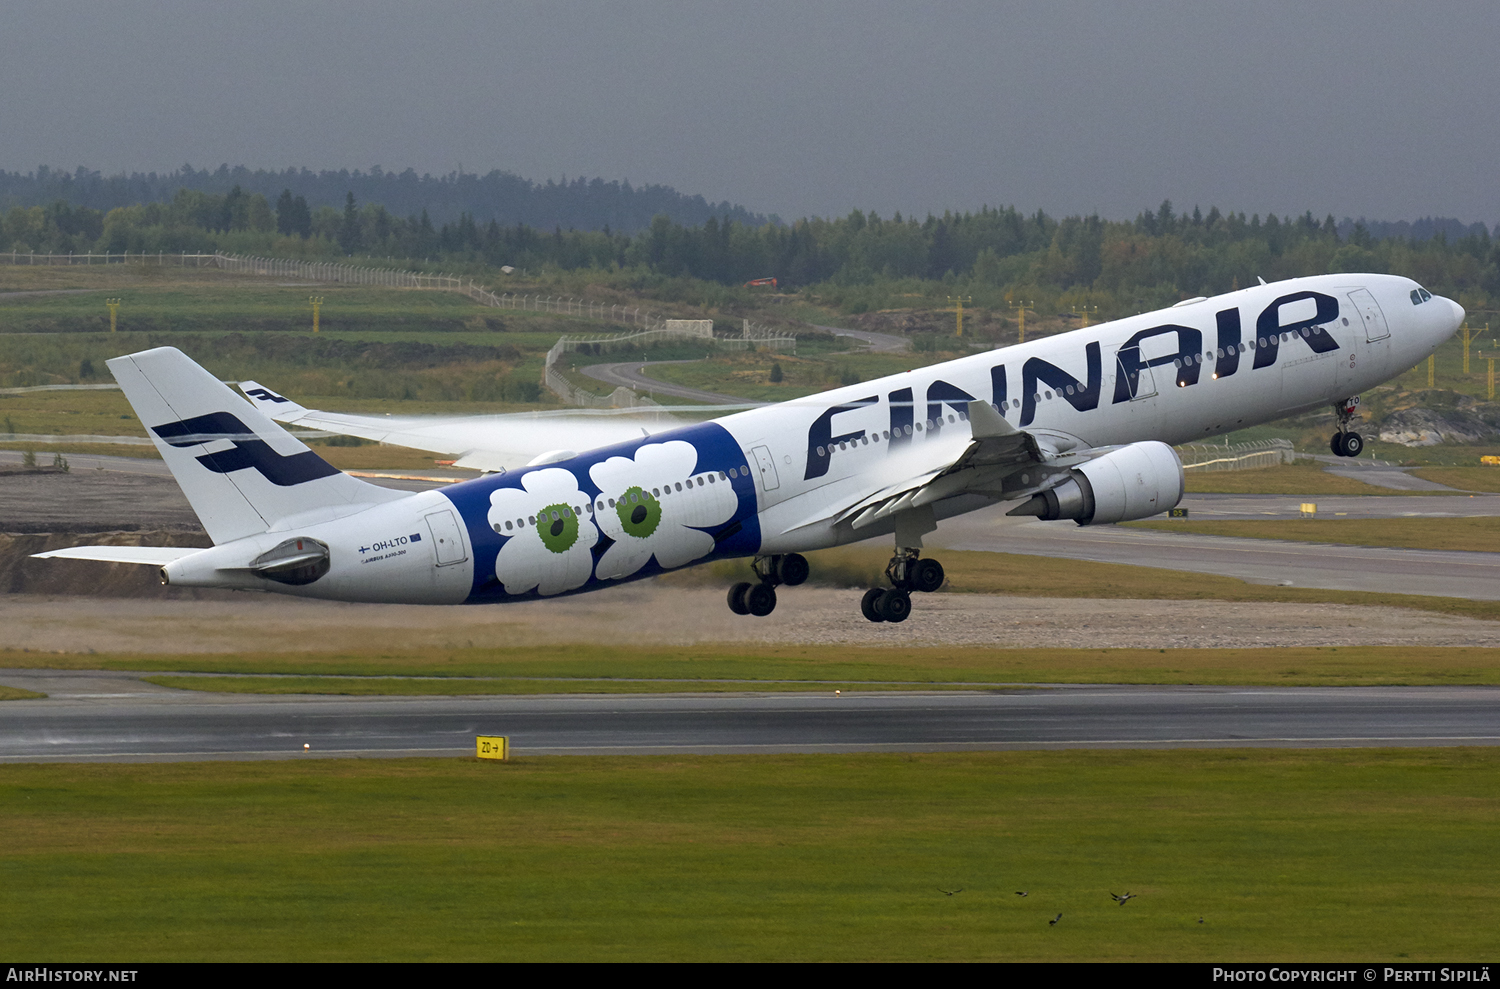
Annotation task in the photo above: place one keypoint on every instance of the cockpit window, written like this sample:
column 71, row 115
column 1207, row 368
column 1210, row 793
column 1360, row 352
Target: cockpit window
column 1419, row 296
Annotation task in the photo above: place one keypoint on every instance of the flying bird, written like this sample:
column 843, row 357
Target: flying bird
column 947, row 892
column 1121, row 899
column 1022, row 893
column 1054, row 920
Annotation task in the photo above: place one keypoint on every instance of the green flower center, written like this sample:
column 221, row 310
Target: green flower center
column 558, row 527
column 639, row 513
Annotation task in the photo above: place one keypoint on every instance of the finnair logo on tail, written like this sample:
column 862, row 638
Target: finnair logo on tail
column 265, row 395
column 248, row 450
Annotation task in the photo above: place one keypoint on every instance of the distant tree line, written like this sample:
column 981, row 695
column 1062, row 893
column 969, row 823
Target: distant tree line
column 859, row 262
column 577, row 204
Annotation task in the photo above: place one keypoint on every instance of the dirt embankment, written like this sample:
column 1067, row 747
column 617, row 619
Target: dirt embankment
column 19, row 574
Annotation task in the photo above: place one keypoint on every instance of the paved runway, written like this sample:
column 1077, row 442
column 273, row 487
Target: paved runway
column 1261, row 561
column 106, row 716
column 1372, row 506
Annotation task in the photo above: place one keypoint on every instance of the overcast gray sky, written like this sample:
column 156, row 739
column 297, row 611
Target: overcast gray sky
column 1386, row 110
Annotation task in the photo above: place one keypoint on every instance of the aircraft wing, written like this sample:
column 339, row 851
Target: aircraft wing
column 996, row 451
column 486, row 443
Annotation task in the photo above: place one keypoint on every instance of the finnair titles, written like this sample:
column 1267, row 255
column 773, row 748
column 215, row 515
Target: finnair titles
column 1076, row 426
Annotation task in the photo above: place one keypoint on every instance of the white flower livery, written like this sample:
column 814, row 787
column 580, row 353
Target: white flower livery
column 654, row 505
column 549, row 544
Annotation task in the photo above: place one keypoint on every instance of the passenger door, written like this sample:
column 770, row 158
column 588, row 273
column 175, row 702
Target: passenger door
column 1369, row 311
column 767, row 465
column 447, row 541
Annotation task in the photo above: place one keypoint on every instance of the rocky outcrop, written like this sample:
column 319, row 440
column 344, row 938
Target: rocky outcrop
column 1428, row 427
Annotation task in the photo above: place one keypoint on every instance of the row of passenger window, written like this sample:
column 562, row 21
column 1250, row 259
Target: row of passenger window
column 558, row 515
column 886, row 433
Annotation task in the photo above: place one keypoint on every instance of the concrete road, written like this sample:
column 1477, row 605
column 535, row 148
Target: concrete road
column 1260, row 561
column 883, row 343
column 630, row 375
column 94, row 716
column 1388, row 477
column 91, row 462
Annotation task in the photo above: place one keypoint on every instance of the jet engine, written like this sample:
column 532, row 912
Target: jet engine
column 1133, row 482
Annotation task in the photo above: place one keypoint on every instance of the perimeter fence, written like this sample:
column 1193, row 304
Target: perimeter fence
column 1202, row 457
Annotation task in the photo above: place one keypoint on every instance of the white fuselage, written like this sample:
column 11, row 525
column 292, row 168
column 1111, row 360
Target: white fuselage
column 774, row 480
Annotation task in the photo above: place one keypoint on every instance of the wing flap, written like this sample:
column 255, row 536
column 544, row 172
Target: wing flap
column 996, row 451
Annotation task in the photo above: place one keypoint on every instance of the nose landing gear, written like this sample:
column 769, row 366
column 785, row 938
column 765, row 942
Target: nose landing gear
column 759, row 599
column 907, row 573
column 1346, row 442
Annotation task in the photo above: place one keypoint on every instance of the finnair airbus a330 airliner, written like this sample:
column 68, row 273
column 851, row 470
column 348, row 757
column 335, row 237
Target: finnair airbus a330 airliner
column 1076, row 426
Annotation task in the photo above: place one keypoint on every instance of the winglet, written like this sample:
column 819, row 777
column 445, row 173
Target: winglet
column 987, row 423
column 273, row 405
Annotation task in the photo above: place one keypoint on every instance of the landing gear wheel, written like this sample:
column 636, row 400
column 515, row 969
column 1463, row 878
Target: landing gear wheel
column 793, row 569
column 894, row 605
column 1345, row 442
column 737, row 598
column 927, row 576
column 869, row 605
column 761, row 600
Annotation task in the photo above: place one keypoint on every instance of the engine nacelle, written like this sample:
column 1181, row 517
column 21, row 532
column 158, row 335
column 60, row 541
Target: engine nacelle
column 1133, row 482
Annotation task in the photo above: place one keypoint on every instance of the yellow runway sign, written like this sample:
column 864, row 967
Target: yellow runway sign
column 492, row 747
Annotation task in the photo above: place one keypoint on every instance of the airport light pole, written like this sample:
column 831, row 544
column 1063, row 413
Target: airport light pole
column 1020, row 308
column 960, row 303
column 114, row 310
column 317, row 303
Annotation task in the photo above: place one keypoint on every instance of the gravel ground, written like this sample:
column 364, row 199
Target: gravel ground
column 93, row 501
column 650, row 613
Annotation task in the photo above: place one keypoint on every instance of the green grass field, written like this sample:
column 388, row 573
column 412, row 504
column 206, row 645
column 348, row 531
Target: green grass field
column 1481, row 534
column 1285, row 855
column 747, row 375
column 17, row 694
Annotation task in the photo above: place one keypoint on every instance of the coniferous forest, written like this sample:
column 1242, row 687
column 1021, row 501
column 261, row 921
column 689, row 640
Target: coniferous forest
column 994, row 257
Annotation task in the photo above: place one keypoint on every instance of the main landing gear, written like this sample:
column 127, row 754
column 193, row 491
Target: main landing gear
column 759, row 599
column 907, row 573
column 1346, row 442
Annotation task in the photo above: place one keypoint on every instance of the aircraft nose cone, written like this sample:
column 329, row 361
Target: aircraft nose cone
column 1458, row 313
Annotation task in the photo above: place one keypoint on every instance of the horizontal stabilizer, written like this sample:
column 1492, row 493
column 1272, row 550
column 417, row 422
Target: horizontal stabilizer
column 154, row 556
